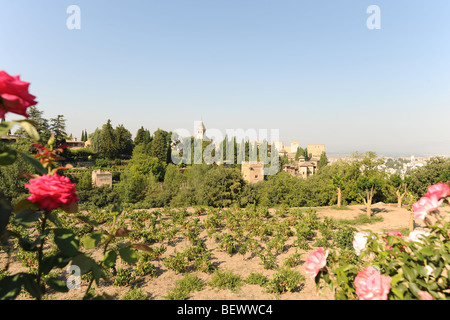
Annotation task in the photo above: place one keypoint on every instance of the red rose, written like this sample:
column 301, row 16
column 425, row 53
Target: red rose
column 14, row 95
column 52, row 191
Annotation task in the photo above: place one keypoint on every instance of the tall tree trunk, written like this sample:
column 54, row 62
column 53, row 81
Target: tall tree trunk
column 368, row 201
column 339, row 195
column 369, row 208
column 400, row 196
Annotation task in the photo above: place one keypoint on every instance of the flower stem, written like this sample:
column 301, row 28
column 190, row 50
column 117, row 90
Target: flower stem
column 40, row 255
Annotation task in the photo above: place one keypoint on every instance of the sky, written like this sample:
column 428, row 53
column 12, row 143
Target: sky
column 312, row 70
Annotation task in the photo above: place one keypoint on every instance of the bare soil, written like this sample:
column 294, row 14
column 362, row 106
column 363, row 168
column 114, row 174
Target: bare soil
column 394, row 218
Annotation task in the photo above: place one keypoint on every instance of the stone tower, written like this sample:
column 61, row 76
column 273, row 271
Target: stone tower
column 200, row 134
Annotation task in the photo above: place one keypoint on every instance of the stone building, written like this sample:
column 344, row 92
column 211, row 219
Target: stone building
column 75, row 144
column 315, row 150
column 201, row 132
column 101, row 178
column 302, row 168
column 252, row 172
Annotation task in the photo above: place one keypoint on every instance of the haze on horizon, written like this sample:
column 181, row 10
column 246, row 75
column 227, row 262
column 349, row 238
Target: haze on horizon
column 313, row 70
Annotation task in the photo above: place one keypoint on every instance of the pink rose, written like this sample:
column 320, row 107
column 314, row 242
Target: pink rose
column 440, row 190
column 52, row 191
column 425, row 205
column 397, row 234
column 360, row 241
column 316, row 261
column 425, row 295
column 14, row 95
column 371, row 285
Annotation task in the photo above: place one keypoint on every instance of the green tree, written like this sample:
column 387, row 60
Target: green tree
column 161, row 146
column 84, row 135
column 400, row 185
column 85, row 181
column 436, row 170
column 173, row 180
column 124, row 141
column 221, row 187
column 11, row 180
column 142, row 136
column 109, row 141
column 141, row 164
column 323, row 161
column 371, row 178
column 103, row 141
column 58, row 128
column 40, row 123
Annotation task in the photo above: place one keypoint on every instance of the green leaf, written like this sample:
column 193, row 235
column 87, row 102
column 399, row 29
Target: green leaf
column 128, row 254
column 395, row 279
column 7, row 156
column 27, row 217
column 37, row 165
column 31, row 246
column 5, row 127
column 54, row 219
column 30, row 284
column 110, row 258
column 57, row 261
column 427, row 251
column 29, row 127
column 83, row 262
column 87, row 264
column 87, row 220
column 10, row 287
column 409, row 274
column 25, row 204
column 57, row 285
column 414, row 289
column 90, row 241
column 397, row 292
column 67, row 241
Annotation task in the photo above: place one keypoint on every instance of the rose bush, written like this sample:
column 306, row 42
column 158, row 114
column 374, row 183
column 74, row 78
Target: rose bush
column 394, row 266
column 52, row 197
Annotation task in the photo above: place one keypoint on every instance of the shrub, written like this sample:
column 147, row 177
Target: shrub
column 188, row 284
column 257, row 278
column 123, row 277
column 393, row 266
column 293, row 260
column 285, row 280
column 136, row 294
column 226, row 280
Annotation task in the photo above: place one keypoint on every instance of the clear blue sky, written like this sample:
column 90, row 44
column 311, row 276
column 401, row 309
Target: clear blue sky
column 311, row 69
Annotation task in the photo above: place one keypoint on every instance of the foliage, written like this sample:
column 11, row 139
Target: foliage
column 226, row 280
column 185, row 286
column 411, row 267
column 285, row 280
